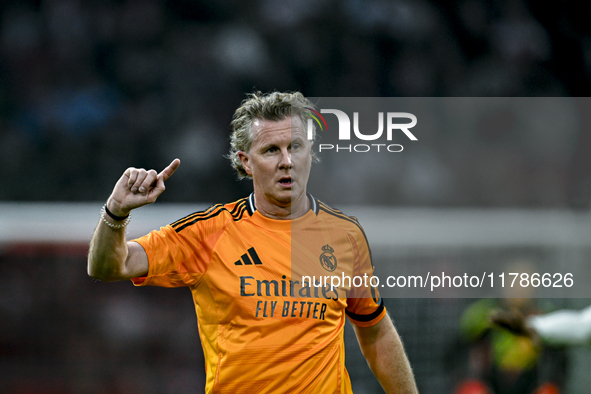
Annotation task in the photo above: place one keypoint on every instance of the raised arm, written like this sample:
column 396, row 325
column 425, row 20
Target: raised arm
column 110, row 256
column 383, row 350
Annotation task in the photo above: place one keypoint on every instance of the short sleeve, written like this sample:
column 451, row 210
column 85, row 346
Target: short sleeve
column 365, row 307
column 174, row 259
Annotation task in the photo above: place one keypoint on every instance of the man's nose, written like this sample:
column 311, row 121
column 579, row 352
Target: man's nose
column 285, row 159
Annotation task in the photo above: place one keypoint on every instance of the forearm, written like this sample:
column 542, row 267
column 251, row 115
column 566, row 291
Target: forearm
column 385, row 355
column 108, row 252
column 110, row 257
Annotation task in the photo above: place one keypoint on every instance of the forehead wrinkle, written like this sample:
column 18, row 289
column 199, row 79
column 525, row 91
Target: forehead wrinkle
column 266, row 137
column 269, row 127
column 279, row 136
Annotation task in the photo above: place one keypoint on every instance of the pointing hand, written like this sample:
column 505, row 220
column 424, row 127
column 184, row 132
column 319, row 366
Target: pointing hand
column 138, row 187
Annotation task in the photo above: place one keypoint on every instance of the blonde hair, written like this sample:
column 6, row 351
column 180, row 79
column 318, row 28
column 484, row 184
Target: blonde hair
column 275, row 106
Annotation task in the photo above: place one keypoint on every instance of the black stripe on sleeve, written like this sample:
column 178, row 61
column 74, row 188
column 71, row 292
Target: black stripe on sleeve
column 202, row 214
column 365, row 318
column 236, row 215
column 195, row 214
column 198, row 219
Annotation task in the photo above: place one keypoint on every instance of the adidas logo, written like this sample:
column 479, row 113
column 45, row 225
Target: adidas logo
column 254, row 257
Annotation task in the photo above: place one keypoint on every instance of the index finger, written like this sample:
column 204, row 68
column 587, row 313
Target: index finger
column 168, row 171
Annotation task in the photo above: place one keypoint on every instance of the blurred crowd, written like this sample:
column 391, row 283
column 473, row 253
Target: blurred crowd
column 89, row 87
column 60, row 332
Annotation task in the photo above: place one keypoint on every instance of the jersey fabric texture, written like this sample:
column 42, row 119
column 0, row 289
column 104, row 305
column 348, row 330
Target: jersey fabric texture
column 263, row 329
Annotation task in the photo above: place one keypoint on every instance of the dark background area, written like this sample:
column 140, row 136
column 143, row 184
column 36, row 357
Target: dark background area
column 89, row 88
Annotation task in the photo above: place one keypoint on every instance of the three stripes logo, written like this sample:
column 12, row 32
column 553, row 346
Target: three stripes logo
column 246, row 260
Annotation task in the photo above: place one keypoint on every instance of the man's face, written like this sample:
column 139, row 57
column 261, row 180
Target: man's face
column 279, row 161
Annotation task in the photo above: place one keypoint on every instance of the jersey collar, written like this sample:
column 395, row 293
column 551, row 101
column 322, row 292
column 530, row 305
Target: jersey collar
column 251, row 207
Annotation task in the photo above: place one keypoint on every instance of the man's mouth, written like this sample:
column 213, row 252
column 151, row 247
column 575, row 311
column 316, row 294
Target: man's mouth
column 287, row 181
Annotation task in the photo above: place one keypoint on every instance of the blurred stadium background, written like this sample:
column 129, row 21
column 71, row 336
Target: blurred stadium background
column 88, row 88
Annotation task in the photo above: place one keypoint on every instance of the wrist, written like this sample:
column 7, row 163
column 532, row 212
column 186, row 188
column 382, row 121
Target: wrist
column 115, row 217
column 113, row 221
column 114, row 211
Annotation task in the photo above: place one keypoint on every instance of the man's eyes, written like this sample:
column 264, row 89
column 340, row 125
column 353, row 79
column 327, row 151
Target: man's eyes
column 273, row 149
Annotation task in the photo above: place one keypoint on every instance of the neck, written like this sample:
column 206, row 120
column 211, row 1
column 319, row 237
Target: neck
column 294, row 209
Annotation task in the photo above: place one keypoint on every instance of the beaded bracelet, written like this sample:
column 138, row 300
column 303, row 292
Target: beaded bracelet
column 113, row 225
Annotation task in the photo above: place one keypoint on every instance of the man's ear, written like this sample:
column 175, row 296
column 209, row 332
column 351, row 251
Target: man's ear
column 243, row 156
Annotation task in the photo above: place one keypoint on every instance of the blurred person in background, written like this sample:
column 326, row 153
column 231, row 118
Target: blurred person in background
column 559, row 328
column 261, row 331
column 497, row 361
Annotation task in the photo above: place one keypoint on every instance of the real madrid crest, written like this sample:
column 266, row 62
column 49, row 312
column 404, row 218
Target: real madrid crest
column 327, row 259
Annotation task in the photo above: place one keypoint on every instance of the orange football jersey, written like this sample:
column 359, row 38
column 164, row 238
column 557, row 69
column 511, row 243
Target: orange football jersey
column 268, row 319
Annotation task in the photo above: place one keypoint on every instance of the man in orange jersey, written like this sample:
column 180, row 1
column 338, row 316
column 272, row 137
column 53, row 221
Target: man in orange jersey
column 263, row 328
